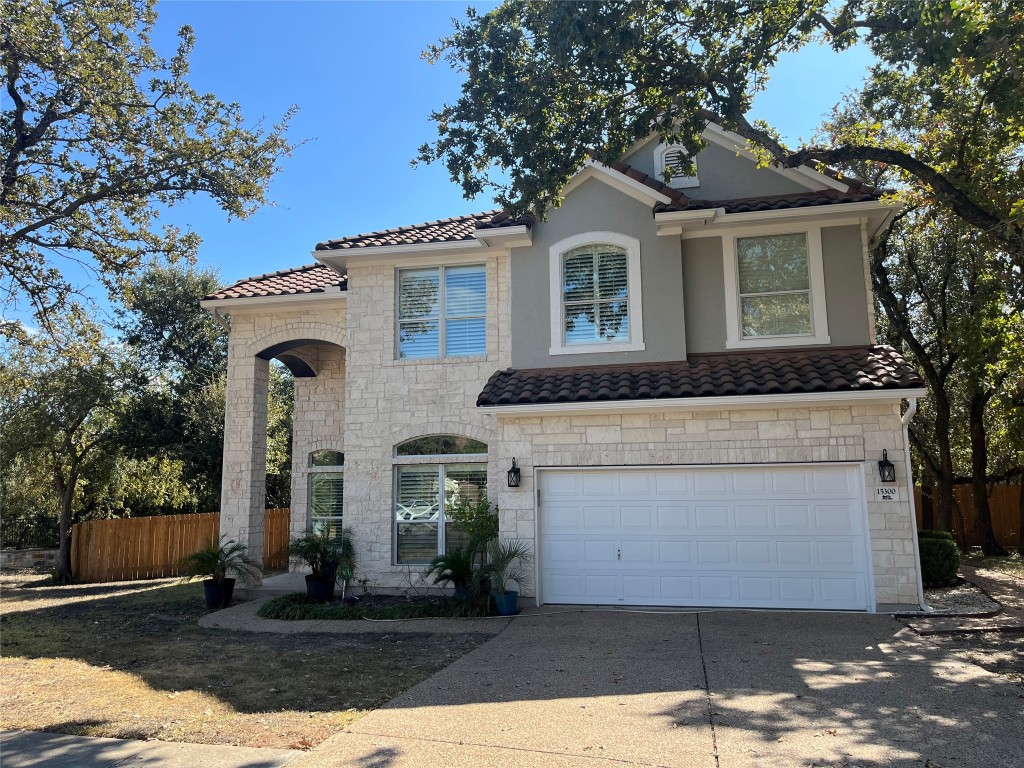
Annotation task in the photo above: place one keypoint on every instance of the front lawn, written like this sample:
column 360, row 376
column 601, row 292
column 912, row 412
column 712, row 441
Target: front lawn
column 129, row 660
column 298, row 607
column 1012, row 563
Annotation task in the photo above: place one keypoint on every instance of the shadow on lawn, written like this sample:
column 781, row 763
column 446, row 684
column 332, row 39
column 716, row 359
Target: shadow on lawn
column 154, row 634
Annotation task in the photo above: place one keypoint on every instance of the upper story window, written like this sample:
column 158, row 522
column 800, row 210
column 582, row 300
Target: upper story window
column 442, row 312
column 776, row 288
column 675, row 167
column 595, row 294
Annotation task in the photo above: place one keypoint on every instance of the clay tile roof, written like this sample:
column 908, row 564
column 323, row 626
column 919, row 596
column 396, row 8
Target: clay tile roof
column 312, row 278
column 833, row 369
column 770, row 202
column 440, row 231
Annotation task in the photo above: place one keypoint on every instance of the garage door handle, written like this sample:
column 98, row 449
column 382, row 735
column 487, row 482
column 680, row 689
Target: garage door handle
column 618, row 554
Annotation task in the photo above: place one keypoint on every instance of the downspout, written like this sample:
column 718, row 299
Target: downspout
column 222, row 319
column 907, row 417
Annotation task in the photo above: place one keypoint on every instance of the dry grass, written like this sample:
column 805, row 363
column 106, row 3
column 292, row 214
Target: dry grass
column 1012, row 564
column 129, row 660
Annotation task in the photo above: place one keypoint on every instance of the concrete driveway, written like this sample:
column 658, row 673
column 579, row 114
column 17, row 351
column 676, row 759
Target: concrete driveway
column 715, row 690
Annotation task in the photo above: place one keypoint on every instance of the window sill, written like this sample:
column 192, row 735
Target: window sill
column 454, row 359
column 761, row 342
column 586, row 349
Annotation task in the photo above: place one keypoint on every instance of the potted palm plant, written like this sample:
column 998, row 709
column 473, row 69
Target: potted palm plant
column 329, row 558
column 507, row 562
column 213, row 562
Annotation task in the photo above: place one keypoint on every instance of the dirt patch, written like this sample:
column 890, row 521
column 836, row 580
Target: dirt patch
column 960, row 599
column 129, row 660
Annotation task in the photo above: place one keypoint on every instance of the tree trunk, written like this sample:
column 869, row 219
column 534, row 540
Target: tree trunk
column 983, row 532
column 66, row 488
column 944, row 501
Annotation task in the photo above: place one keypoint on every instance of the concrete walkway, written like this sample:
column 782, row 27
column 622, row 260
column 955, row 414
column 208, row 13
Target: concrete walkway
column 30, row 749
column 735, row 689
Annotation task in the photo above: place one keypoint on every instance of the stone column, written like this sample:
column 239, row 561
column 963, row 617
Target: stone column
column 243, row 489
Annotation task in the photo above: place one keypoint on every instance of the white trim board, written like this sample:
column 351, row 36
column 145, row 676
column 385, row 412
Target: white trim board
column 226, row 305
column 728, row 402
column 620, row 181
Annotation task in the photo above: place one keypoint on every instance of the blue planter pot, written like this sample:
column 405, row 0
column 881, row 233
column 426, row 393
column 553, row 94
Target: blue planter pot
column 507, row 604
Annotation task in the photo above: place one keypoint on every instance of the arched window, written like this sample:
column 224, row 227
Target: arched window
column 432, row 478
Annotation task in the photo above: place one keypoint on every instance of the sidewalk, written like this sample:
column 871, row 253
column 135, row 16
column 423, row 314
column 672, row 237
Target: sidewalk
column 1003, row 588
column 32, row 749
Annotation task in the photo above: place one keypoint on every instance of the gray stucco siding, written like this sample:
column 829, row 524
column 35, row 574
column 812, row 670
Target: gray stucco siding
column 722, row 174
column 596, row 207
column 845, row 292
column 846, row 296
column 704, row 295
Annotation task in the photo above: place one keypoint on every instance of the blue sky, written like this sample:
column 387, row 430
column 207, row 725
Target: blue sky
column 364, row 93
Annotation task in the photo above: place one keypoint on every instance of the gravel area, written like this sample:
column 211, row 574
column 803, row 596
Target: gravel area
column 961, row 599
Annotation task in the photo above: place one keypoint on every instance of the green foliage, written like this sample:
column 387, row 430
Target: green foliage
column 298, row 607
column 455, row 567
column 217, row 560
column 328, row 556
column 100, row 133
column 508, row 561
column 478, row 519
column 940, row 558
column 549, row 85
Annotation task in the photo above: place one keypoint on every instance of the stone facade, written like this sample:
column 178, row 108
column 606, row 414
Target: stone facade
column 364, row 402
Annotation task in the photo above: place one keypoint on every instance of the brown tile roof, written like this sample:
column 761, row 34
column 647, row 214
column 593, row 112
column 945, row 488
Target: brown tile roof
column 440, row 231
column 833, row 369
column 676, row 195
column 770, row 202
column 312, row 278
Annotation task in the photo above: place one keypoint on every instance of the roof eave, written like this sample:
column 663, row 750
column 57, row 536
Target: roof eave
column 334, row 294
column 786, row 400
column 712, row 220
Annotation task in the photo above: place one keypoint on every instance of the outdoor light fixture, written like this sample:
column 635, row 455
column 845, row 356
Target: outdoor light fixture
column 513, row 475
column 886, row 469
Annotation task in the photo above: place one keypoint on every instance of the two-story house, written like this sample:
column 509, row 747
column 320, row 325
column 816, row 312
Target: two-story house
column 685, row 375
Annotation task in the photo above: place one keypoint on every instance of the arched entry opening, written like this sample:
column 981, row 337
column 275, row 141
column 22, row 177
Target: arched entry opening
column 316, row 369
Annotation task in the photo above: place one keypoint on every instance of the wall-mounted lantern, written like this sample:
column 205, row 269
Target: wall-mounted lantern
column 886, row 469
column 513, row 475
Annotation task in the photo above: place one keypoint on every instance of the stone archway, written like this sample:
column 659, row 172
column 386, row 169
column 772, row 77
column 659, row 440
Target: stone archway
column 312, row 353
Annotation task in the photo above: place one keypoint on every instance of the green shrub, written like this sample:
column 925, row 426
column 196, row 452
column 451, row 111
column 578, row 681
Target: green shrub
column 940, row 558
column 297, row 607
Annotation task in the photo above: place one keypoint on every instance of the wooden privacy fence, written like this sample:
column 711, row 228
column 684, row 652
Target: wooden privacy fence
column 152, row 547
column 1004, row 502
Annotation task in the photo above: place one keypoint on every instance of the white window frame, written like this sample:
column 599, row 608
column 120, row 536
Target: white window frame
column 311, row 472
column 440, row 462
column 676, row 182
column 441, row 317
column 631, row 245
column 816, row 280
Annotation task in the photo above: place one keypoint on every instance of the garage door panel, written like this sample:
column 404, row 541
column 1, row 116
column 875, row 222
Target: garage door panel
column 670, row 517
column 833, row 518
column 752, row 518
column 663, row 537
column 637, row 516
column 674, row 552
column 598, row 484
column 712, row 518
column 676, row 482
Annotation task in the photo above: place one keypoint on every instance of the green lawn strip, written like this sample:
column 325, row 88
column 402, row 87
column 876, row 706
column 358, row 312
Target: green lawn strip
column 298, row 607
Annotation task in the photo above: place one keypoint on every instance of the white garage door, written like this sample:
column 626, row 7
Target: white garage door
column 765, row 536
